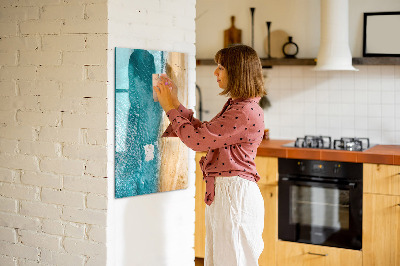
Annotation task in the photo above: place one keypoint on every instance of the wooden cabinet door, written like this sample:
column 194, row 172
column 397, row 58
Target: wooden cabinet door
column 381, row 230
column 270, row 233
column 297, row 254
column 381, row 179
column 267, row 168
column 200, row 207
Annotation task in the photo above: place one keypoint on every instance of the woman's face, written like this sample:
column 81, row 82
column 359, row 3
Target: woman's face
column 222, row 76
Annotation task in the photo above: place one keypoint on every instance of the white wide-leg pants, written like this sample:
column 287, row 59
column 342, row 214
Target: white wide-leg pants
column 234, row 223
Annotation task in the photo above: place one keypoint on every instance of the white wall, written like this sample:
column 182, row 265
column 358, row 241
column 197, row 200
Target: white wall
column 299, row 18
column 155, row 229
column 53, row 106
column 338, row 104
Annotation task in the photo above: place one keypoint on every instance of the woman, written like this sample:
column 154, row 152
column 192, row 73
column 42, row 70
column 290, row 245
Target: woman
column 235, row 207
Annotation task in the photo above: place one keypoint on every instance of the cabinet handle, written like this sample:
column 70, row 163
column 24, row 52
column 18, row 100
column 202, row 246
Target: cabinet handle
column 318, row 254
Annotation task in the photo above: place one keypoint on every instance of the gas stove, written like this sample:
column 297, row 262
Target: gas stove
column 325, row 142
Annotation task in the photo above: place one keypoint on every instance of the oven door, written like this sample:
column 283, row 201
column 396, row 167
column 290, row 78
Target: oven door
column 321, row 212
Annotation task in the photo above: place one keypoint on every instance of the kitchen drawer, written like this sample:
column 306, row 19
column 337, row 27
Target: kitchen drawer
column 381, row 179
column 298, row 254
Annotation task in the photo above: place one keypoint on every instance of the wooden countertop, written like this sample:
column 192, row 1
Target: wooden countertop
column 379, row 154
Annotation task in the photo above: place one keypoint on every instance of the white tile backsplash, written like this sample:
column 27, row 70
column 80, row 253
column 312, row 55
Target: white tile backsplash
column 388, row 83
column 374, row 83
column 361, row 110
column 387, row 71
column 347, row 110
column 397, row 88
column 387, row 124
column 361, row 125
column 310, row 109
column 348, row 96
column 397, row 123
column 364, row 103
column 374, row 123
column 374, row 110
column 388, row 97
column 388, row 111
column 374, row 97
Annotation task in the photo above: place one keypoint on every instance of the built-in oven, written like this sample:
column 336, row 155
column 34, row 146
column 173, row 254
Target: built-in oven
column 320, row 202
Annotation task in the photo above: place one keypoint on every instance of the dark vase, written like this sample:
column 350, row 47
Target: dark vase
column 290, row 49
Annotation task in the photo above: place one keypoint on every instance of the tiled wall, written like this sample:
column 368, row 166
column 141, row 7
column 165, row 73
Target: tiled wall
column 338, row 104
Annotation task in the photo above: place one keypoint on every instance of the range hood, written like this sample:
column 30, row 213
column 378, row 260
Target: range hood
column 334, row 51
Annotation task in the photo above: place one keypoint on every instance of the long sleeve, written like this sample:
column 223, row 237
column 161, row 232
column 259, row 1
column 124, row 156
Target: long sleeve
column 186, row 113
column 222, row 131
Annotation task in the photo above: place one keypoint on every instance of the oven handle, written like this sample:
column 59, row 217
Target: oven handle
column 297, row 181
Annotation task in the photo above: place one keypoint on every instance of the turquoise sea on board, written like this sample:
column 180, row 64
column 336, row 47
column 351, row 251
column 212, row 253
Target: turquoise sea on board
column 137, row 121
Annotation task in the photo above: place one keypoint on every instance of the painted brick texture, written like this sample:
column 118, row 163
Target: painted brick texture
column 53, row 111
column 163, row 236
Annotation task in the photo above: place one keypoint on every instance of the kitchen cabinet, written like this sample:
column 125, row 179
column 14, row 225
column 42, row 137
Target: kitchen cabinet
column 267, row 167
column 381, row 221
column 381, row 230
column 381, row 215
column 200, row 207
column 298, row 254
column 381, row 179
column 270, row 233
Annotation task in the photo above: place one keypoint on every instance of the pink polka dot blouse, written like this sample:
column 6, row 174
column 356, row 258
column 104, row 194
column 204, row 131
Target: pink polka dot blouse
column 231, row 139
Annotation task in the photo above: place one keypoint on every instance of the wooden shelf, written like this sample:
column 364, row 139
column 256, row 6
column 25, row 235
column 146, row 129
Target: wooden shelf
column 376, row 61
column 312, row 61
column 267, row 63
column 288, row 62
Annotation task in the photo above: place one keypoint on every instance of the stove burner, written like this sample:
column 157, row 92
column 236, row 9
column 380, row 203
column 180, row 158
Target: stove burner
column 308, row 141
column 324, row 142
column 351, row 144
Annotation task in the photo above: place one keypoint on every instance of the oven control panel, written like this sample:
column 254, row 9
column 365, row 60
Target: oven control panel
column 331, row 169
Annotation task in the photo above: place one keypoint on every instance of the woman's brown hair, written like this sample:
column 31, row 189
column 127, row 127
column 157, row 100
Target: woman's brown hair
column 245, row 78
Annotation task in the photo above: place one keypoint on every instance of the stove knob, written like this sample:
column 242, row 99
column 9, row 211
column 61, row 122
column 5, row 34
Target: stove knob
column 301, row 166
column 336, row 169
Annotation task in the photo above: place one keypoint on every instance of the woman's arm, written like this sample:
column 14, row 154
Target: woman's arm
column 171, row 99
column 186, row 113
column 228, row 129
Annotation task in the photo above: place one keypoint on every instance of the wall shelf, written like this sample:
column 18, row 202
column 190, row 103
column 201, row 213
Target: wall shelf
column 312, row 61
column 376, row 61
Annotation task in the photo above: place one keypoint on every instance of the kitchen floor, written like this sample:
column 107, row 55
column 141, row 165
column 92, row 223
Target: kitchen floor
column 198, row 262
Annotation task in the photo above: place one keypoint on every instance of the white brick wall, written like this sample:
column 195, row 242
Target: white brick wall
column 163, row 223
column 53, row 107
column 57, row 66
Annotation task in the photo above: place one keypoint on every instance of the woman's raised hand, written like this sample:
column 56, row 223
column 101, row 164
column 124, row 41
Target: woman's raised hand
column 164, row 93
column 174, row 89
